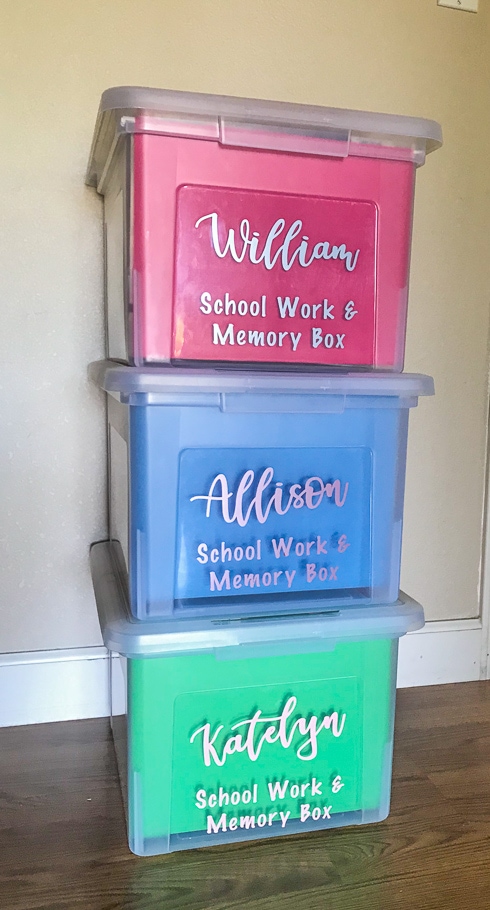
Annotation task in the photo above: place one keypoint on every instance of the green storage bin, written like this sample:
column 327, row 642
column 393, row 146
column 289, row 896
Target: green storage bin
column 241, row 729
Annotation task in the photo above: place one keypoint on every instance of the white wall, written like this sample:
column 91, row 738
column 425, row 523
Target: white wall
column 56, row 58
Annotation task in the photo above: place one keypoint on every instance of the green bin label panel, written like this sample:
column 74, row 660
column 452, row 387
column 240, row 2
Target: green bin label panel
column 218, row 746
column 262, row 756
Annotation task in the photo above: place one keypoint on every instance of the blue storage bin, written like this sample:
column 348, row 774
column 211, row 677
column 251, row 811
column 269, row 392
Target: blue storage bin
column 244, row 493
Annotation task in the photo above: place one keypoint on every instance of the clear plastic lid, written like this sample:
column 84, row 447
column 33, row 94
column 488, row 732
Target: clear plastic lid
column 289, row 633
column 158, row 385
column 253, row 123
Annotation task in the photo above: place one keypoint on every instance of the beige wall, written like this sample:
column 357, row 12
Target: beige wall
column 56, row 59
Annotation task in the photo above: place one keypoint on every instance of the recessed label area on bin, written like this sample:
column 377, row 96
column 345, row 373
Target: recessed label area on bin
column 271, row 277
column 258, row 522
column 266, row 756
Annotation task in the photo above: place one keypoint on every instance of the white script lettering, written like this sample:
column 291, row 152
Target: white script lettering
column 249, row 242
column 310, row 495
column 278, row 730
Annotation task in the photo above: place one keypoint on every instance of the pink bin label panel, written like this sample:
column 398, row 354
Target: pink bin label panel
column 273, row 277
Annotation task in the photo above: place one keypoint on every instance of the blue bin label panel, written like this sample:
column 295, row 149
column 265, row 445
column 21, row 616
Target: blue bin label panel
column 261, row 522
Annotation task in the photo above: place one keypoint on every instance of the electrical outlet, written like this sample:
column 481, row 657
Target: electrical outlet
column 470, row 5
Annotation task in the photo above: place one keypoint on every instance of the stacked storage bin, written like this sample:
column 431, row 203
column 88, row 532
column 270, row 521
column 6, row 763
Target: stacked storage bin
column 257, row 259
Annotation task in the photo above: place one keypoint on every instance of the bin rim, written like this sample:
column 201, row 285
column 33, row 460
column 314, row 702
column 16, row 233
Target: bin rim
column 135, row 638
column 169, row 380
column 124, row 103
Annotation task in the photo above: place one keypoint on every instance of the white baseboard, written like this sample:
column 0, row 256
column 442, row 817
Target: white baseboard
column 44, row 686
column 441, row 652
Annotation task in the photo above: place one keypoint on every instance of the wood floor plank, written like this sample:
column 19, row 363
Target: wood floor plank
column 63, row 841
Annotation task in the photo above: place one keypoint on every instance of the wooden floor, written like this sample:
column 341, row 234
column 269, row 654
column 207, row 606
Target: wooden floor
column 63, row 839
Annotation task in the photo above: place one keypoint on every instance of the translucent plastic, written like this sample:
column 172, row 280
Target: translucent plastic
column 255, row 232
column 263, row 493
column 275, row 633
column 126, row 108
column 238, row 739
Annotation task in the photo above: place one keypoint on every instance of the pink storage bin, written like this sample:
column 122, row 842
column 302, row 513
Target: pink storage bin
column 255, row 232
